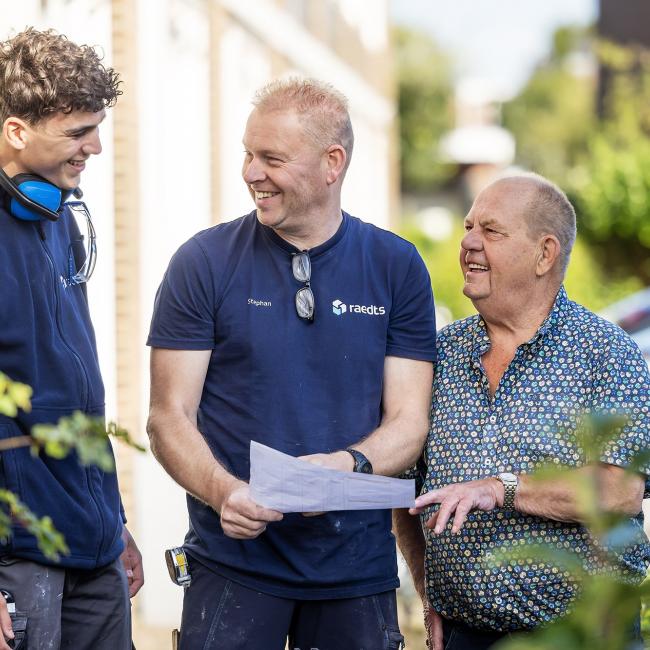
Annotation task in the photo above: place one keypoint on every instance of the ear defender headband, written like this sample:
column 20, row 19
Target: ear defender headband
column 32, row 198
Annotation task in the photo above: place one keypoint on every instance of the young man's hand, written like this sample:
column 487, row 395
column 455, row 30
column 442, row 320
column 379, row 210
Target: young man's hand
column 5, row 625
column 132, row 561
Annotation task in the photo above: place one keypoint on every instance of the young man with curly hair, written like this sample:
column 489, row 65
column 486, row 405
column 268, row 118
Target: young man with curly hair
column 53, row 97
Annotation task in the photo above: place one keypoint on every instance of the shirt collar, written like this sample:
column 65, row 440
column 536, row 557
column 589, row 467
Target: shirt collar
column 313, row 252
column 551, row 322
column 554, row 318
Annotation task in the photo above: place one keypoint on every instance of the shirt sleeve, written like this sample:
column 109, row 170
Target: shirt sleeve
column 622, row 389
column 183, row 315
column 412, row 327
column 417, row 473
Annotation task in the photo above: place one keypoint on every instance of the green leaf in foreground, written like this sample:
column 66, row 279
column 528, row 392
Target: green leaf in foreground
column 13, row 396
column 50, row 541
column 86, row 435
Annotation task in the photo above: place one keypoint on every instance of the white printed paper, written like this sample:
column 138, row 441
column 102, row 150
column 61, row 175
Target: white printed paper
column 288, row 484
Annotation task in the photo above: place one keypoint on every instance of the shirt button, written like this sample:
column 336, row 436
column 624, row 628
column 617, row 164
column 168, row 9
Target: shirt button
column 493, row 419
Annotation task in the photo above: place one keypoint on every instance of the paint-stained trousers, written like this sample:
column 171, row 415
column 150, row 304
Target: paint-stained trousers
column 219, row 614
column 70, row 609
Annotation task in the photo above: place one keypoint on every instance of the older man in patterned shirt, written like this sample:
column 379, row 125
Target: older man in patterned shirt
column 510, row 387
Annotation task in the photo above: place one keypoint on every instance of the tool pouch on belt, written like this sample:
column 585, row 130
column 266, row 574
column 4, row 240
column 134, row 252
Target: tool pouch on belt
column 18, row 622
column 19, row 625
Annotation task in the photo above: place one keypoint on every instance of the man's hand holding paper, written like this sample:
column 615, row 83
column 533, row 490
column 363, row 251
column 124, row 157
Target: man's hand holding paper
column 287, row 484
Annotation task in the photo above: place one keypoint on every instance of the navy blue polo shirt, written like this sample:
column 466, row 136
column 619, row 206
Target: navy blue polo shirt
column 295, row 386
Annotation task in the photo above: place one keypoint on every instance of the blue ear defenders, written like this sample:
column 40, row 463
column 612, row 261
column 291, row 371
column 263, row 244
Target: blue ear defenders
column 32, row 198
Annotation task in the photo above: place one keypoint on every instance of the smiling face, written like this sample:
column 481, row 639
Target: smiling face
column 57, row 148
column 285, row 171
column 497, row 256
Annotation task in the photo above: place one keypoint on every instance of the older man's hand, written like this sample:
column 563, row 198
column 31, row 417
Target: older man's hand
column 458, row 499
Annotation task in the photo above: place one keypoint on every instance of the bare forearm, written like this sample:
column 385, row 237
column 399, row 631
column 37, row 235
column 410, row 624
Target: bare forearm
column 181, row 449
column 548, row 499
column 398, row 441
column 411, row 542
column 396, row 444
column 566, row 499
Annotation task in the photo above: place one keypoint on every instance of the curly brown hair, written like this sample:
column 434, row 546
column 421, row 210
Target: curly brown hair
column 42, row 73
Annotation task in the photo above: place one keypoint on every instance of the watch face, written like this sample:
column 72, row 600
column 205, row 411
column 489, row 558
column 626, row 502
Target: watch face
column 508, row 476
column 361, row 464
column 363, row 467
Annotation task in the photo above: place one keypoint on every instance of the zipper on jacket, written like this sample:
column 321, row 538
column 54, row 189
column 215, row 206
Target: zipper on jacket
column 85, row 398
column 82, row 371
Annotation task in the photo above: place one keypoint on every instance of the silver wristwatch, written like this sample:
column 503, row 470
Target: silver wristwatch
column 510, row 482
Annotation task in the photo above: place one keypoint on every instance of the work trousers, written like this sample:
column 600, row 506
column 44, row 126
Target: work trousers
column 70, row 609
column 220, row 614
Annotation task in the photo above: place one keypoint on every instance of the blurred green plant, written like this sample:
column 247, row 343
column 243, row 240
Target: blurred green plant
column 555, row 113
column 425, row 92
column 603, row 616
column 442, row 262
column 49, row 540
column 610, row 184
column 601, row 159
column 14, row 396
column 87, row 436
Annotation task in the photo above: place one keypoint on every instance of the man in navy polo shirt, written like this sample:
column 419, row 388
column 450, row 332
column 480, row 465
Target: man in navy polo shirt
column 310, row 331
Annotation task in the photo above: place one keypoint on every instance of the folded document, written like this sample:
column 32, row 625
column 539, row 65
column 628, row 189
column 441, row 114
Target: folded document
column 288, row 484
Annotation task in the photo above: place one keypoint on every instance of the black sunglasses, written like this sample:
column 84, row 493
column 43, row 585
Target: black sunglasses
column 301, row 267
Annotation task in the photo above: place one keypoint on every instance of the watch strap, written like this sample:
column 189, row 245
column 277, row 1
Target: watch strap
column 509, row 482
column 361, row 464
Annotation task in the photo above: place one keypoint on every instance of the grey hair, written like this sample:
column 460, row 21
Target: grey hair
column 550, row 212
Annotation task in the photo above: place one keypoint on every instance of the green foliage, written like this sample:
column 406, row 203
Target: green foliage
column 610, row 184
column 13, row 395
column 602, row 162
column 425, row 91
column 442, row 262
column 591, row 284
column 87, row 436
column 50, row 541
column 554, row 114
column 600, row 620
column 603, row 615
column 645, row 612
column 551, row 121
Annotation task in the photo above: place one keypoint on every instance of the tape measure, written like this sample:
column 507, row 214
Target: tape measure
column 179, row 570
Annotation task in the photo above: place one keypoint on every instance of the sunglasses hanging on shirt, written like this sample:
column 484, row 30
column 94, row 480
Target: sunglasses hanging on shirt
column 304, row 300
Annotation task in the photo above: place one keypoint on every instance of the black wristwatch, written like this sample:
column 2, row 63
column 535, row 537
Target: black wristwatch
column 361, row 464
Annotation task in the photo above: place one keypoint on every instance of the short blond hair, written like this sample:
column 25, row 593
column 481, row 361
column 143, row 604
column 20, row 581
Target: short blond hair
column 322, row 109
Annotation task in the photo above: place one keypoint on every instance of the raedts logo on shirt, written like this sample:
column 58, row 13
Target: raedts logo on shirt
column 340, row 308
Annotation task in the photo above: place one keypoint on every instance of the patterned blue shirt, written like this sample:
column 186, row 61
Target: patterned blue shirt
column 576, row 363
